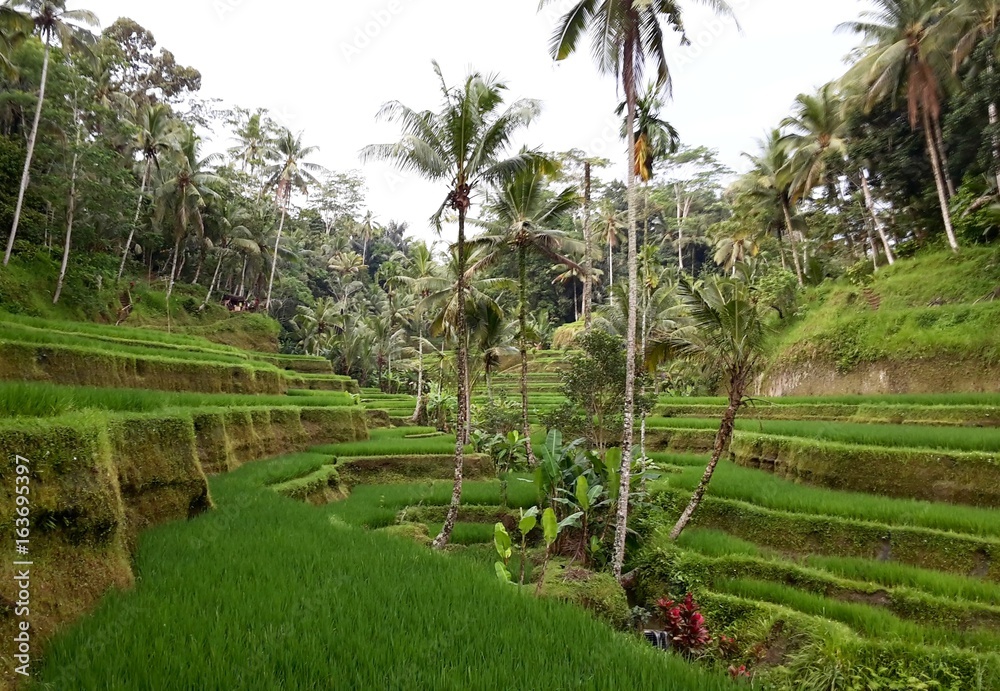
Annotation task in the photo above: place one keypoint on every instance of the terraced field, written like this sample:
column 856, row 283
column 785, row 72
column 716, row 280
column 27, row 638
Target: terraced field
column 844, row 543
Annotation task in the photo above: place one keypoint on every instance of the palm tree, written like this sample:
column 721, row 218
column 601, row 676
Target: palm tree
column 725, row 331
column 902, row 56
column 156, row 132
column 770, row 180
column 368, row 229
column 15, row 27
column 315, row 325
column 423, row 267
column 463, row 146
column 654, row 137
column 290, row 172
column 53, row 22
column 610, row 224
column 624, row 34
column 967, row 24
column 184, row 187
column 524, row 215
column 736, row 241
column 253, row 146
column 493, row 335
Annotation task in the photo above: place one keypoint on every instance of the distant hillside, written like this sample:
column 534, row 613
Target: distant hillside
column 91, row 294
column 928, row 324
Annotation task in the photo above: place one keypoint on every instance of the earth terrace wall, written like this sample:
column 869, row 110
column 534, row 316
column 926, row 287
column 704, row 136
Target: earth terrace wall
column 949, row 476
column 98, row 480
column 82, row 367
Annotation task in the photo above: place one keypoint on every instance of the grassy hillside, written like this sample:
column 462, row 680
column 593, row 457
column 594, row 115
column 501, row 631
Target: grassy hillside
column 926, row 324
column 92, row 294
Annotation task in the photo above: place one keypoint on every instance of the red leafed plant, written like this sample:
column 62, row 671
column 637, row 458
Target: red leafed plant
column 685, row 625
column 740, row 672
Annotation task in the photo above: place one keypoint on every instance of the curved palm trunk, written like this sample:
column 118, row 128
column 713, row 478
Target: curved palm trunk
column 939, row 180
column 274, row 259
column 135, row 221
column 786, row 208
column 994, row 119
column 26, row 174
column 624, row 492
column 522, row 266
column 870, row 203
column 588, row 263
column 943, row 156
column 211, row 286
column 463, row 408
column 722, row 439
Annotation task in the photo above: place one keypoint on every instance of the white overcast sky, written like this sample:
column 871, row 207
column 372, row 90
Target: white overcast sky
column 326, row 67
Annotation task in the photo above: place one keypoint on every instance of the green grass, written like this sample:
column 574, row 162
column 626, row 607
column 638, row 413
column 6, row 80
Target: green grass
column 266, row 592
column 983, row 439
column 868, row 620
column 37, row 399
column 394, row 442
column 765, row 489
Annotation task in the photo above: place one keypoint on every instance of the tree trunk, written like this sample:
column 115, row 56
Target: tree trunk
column 588, row 262
column 135, row 221
column 786, row 208
column 721, row 442
column 26, row 174
column 939, row 180
column 274, row 260
column 71, row 211
column 463, row 410
column 611, row 270
column 680, row 230
column 994, row 119
column 522, row 267
column 624, row 492
column 243, row 278
column 211, row 286
column 943, row 156
column 870, row 203
column 420, row 374
column 173, row 272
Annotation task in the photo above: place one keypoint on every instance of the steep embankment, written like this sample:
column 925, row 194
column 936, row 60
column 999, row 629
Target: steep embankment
column 929, row 324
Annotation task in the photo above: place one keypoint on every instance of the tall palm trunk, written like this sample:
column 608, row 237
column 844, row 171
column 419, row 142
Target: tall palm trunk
column 722, row 439
column 522, row 267
column 611, row 270
column 32, row 138
column 680, row 230
column 173, row 270
column 630, row 346
column 463, row 402
column 943, row 156
column 994, row 116
column 420, row 374
column 138, row 210
column 870, row 203
column 787, row 209
column 939, row 179
column 71, row 211
column 243, row 278
column 274, row 259
column 588, row 262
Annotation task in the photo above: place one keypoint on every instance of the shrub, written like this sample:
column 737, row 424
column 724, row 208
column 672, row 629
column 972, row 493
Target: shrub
column 685, row 624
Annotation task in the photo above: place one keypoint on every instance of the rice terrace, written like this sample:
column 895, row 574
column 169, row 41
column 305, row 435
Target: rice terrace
column 593, row 344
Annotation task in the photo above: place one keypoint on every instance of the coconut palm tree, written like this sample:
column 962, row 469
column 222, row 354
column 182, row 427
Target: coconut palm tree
column 967, row 24
column 654, row 136
column 902, row 56
column 315, row 325
column 771, row 181
column 463, row 146
column 624, row 35
column 726, row 331
column 610, row 223
column 493, row 335
column 524, row 214
column 53, row 24
column 422, row 267
column 155, row 132
column 15, row 27
column 253, row 146
column 183, row 188
column 289, row 172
